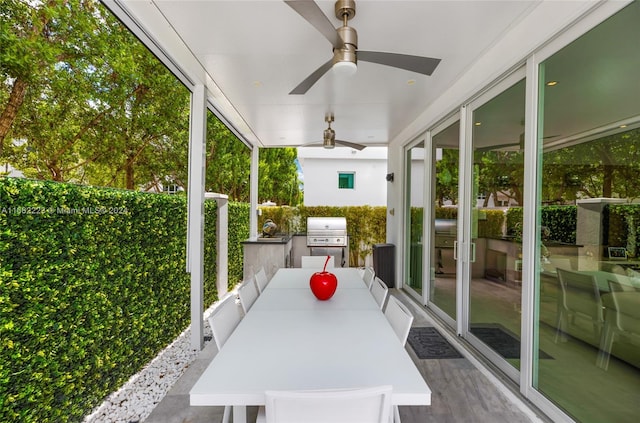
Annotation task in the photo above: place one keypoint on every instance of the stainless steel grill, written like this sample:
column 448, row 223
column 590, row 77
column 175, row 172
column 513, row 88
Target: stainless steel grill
column 326, row 232
column 328, row 236
column 445, row 237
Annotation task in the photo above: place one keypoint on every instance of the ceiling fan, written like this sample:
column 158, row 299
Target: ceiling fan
column 345, row 44
column 329, row 137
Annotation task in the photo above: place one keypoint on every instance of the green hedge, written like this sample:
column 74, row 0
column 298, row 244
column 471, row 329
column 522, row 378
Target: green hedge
column 561, row 221
column 621, row 226
column 93, row 287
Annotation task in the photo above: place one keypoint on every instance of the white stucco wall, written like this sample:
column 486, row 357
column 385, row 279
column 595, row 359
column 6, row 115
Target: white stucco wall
column 320, row 168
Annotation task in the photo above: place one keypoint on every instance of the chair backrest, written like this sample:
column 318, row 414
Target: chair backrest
column 261, row 279
column 248, row 293
column 368, row 276
column 317, row 261
column 365, row 405
column 224, row 320
column 379, row 290
column 580, row 293
column 399, row 317
column 626, row 313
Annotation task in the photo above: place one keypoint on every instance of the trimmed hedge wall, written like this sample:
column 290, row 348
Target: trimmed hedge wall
column 93, row 287
column 561, row 221
column 621, row 225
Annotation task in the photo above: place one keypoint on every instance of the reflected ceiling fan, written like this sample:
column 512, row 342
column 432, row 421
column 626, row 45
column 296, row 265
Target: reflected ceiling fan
column 329, row 137
column 345, row 44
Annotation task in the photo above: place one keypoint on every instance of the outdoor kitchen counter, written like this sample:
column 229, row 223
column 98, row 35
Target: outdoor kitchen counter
column 270, row 254
column 276, row 239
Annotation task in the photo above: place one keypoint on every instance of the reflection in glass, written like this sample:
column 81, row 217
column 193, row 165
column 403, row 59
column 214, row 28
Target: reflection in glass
column 588, row 297
column 415, row 199
column 444, row 225
column 498, row 176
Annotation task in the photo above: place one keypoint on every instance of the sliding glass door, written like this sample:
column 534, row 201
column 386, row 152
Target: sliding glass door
column 445, row 159
column 495, row 125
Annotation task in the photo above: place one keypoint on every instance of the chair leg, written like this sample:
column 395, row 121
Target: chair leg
column 226, row 414
column 395, row 417
column 561, row 327
column 606, row 344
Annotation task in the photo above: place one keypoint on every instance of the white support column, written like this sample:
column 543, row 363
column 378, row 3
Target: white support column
column 222, row 241
column 253, row 217
column 195, row 211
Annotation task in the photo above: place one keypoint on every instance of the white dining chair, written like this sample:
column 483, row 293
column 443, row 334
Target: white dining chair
column 368, row 276
column 316, row 261
column 248, row 294
column 223, row 322
column 361, row 405
column 261, row 279
column 379, row 290
column 399, row 317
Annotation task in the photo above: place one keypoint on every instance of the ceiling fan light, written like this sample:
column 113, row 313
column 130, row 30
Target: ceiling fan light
column 345, row 68
column 328, row 143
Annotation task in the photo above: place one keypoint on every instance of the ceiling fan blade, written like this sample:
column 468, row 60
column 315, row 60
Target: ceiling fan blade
column 419, row 64
column 310, row 11
column 497, row 147
column 351, row 144
column 304, row 86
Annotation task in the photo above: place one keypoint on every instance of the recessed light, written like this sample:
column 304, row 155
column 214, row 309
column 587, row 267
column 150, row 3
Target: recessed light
column 257, row 84
column 552, row 83
column 623, row 126
column 411, row 82
column 478, row 123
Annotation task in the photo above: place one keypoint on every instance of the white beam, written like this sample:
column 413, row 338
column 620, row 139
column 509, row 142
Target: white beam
column 195, row 211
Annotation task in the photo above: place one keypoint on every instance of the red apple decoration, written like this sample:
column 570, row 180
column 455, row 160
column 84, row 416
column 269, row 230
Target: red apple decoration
column 323, row 284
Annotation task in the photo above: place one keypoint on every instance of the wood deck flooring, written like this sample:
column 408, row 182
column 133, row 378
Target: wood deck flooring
column 461, row 393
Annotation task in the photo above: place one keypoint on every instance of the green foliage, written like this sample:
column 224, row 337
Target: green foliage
column 560, row 220
column 93, row 286
column 278, row 181
column 515, row 216
column 238, row 231
column 83, row 100
column 417, row 218
column 621, row 226
column 491, row 223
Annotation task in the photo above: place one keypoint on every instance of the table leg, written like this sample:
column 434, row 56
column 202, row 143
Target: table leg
column 239, row 414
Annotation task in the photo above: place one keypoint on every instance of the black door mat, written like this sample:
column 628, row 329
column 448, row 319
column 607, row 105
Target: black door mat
column 502, row 340
column 429, row 344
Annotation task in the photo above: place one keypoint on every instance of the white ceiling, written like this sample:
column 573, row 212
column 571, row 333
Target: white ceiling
column 256, row 52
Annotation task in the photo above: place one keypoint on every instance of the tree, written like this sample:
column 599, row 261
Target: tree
column 278, row 179
column 82, row 100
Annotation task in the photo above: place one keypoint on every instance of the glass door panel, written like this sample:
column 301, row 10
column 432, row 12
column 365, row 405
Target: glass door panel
column 444, row 169
column 589, row 218
column 415, row 185
column 495, row 254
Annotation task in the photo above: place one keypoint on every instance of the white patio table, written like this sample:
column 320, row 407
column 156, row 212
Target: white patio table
column 289, row 340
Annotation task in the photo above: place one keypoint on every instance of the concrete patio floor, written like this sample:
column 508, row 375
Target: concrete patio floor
column 461, row 392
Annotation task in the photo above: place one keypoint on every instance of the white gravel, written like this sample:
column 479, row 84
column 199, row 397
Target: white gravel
column 136, row 399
